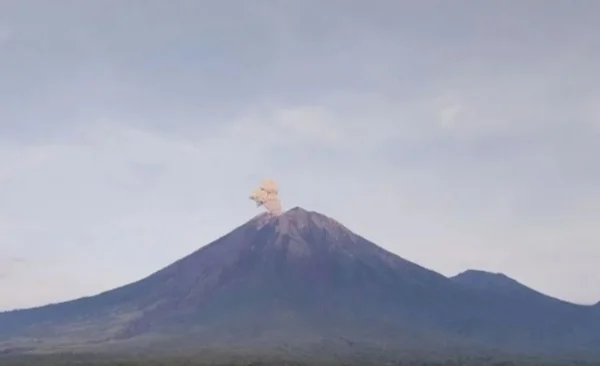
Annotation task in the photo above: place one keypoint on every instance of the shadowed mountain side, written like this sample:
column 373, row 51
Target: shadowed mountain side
column 500, row 284
column 577, row 321
column 296, row 279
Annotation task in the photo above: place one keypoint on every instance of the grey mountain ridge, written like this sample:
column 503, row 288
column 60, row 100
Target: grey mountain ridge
column 499, row 283
column 297, row 281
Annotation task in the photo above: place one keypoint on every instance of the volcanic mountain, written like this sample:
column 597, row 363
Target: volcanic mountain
column 300, row 282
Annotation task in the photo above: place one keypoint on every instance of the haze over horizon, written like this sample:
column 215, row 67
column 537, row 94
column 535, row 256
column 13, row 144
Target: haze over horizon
column 457, row 135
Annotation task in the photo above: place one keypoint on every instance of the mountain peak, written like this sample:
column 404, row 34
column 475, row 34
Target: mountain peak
column 485, row 280
column 482, row 273
column 499, row 283
column 298, row 209
column 299, row 214
column 299, row 219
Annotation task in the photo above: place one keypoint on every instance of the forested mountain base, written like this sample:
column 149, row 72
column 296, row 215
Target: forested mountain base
column 87, row 360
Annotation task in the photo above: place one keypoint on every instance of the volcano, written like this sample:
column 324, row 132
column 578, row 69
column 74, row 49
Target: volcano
column 302, row 282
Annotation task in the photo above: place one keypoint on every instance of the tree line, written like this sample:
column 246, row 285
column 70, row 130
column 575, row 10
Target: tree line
column 489, row 361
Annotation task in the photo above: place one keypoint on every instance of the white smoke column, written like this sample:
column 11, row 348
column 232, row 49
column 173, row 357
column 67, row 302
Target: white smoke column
column 267, row 195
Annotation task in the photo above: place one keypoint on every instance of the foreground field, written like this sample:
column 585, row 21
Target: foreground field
column 87, row 360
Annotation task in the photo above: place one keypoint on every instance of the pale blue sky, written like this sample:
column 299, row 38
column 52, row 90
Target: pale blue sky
column 457, row 134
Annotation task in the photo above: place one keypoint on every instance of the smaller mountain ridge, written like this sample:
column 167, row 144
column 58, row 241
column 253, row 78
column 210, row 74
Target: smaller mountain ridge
column 495, row 282
column 484, row 280
column 501, row 285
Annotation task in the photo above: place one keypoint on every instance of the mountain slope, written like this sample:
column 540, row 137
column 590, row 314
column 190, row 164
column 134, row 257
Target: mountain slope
column 499, row 283
column 292, row 281
column 488, row 281
column 576, row 321
column 301, row 268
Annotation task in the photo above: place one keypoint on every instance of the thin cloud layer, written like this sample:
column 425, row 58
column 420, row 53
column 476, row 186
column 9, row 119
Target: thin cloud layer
column 469, row 129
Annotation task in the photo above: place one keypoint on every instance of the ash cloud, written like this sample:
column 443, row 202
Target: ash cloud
column 267, row 195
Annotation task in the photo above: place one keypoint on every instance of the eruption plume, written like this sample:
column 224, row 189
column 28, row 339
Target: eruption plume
column 267, row 195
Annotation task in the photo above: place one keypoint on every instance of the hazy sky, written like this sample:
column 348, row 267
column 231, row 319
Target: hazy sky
column 457, row 134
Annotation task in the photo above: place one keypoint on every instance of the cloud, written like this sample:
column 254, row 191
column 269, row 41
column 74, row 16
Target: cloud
column 10, row 265
column 319, row 124
column 310, row 123
column 5, row 34
column 448, row 115
column 591, row 113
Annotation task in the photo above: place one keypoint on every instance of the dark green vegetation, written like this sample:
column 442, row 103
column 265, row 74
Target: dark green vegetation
column 301, row 286
column 429, row 360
